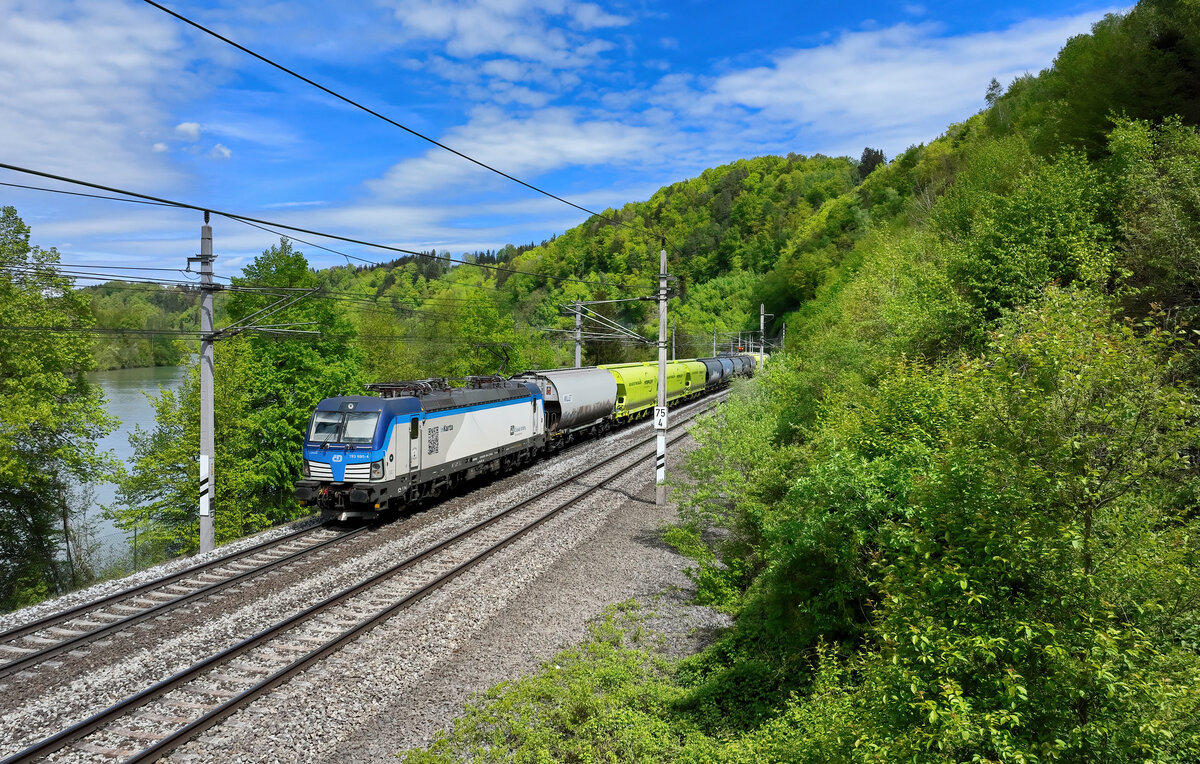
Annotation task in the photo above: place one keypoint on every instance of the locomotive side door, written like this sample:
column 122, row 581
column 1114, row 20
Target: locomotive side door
column 539, row 417
column 414, row 444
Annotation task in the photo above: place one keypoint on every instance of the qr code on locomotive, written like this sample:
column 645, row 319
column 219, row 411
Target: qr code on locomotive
column 433, row 440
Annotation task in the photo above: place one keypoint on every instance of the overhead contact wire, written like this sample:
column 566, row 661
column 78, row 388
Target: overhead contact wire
column 367, row 109
column 390, row 121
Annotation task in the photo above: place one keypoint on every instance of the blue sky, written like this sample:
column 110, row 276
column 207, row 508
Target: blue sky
column 600, row 102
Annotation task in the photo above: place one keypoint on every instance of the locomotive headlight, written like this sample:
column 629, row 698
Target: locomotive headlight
column 377, row 470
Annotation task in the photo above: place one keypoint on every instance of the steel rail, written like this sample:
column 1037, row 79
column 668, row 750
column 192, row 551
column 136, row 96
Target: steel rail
column 74, row 643
column 102, row 718
column 56, row 618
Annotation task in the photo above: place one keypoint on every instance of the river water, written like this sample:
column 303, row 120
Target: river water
column 125, row 391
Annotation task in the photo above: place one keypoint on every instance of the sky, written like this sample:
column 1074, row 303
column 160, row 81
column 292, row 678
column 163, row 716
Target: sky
column 600, row 103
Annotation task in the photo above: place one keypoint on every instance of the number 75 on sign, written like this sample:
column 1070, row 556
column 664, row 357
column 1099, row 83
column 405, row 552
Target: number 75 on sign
column 660, row 417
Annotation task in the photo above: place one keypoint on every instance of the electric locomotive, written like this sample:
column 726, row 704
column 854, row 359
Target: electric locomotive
column 363, row 454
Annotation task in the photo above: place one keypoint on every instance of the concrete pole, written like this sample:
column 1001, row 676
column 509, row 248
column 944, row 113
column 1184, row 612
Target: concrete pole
column 207, row 439
column 660, row 413
column 672, row 339
column 714, row 342
column 578, row 334
column 762, row 332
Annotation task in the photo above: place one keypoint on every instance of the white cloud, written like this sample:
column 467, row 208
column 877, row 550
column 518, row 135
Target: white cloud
column 551, row 139
column 543, row 31
column 263, row 129
column 903, row 84
column 188, row 130
column 159, row 147
column 286, row 205
column 220, row 151
column 592, row 16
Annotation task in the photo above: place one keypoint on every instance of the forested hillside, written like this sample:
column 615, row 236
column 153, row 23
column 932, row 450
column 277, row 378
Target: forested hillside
column 958, row 519
column 124, row 311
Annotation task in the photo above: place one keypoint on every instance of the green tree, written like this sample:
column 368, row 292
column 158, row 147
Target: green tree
column 1034, row 568
column 870, row 159
column 50, row 420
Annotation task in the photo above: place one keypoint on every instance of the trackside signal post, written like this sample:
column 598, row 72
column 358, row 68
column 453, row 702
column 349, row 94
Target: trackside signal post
column 660, row 411
column 207, row 440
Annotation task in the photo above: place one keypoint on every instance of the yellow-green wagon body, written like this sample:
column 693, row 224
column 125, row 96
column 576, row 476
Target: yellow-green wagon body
column 637, row 384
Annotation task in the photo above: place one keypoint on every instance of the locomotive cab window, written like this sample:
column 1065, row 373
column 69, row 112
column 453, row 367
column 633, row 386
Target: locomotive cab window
column 360, row 426
column 414, row 429
column 337, row 427
column 325, row 427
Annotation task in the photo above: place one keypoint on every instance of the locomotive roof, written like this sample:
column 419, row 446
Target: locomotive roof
column 394, row 406
column 459, row 397
column 438, row 400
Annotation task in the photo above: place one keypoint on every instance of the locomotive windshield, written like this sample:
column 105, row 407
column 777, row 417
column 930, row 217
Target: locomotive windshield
column 343, row 427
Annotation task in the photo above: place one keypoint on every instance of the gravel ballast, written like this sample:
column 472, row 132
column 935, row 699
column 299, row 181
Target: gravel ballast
column 395, row 687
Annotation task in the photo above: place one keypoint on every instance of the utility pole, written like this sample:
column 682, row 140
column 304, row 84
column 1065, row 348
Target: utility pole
column 714, row 342
column 672, row 339
column 207, row 438
column 762, row 332
column 660, row 411
column 578, row 335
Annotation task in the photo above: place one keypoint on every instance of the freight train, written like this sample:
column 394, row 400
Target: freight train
column 364, row 454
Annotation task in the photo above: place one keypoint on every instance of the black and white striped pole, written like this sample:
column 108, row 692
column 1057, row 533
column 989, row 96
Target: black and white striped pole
column 660, row 411
column 207, row 438
column 205, row 493
column 762, row 333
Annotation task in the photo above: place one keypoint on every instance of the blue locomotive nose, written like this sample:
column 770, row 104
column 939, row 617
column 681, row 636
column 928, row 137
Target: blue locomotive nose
column 338, row 465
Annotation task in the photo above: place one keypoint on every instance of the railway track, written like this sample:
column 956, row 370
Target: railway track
column 26, row 646
column 147, row 725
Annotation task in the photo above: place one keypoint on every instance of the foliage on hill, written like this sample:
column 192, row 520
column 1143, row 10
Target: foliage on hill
column 756, row 230
column 958, row 520
column 763, row 229
column 142, row 307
